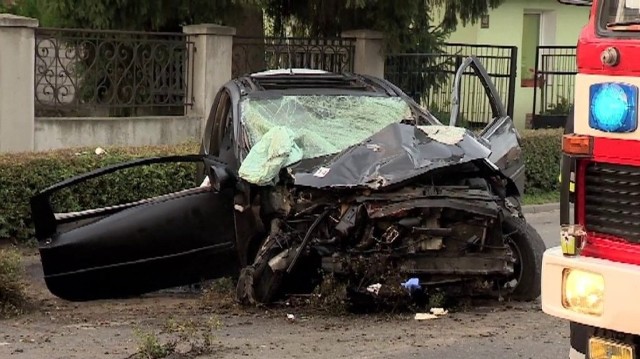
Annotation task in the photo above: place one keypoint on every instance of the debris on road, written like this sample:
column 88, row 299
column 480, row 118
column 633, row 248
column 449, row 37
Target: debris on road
column 374, row 288
column 439, row 311
column 434, row 314
column 425, row 316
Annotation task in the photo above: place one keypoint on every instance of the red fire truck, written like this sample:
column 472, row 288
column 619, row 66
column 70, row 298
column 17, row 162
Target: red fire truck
column 592, row 278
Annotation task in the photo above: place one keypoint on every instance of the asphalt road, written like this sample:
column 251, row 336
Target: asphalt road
column 106, row 329
column 548, row 225
column 493, row 331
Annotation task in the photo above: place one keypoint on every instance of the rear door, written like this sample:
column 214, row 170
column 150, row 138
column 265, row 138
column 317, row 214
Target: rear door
column 155, row 243
column 500, row 134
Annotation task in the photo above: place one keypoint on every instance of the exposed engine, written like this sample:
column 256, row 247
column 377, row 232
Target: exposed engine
column 436, row 232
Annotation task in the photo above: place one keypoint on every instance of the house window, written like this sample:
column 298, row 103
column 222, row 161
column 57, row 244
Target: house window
column 530, row 42
column 484, row 22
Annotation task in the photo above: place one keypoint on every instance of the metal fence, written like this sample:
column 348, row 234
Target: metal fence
column 111, row 73
column 428, row 79
column 555, row 73
column 258, row 54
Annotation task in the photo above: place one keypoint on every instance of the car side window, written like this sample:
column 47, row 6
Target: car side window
column 226, row 150
column 223, row 112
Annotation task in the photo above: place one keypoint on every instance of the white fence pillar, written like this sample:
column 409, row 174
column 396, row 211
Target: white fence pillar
column 17, row 62
column 369, row 54
column 211, row 65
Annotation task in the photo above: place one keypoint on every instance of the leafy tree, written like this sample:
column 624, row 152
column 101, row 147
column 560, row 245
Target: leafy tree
column 146, row 15
column 408, row 25
column 29, row 8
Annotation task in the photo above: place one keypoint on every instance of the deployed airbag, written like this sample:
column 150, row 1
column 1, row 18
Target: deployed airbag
column 286, row 129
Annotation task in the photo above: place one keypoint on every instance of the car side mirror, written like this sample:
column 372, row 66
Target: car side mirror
column 220, row 177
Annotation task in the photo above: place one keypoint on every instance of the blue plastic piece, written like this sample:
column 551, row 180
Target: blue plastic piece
column 614, row 107
column 412, row 284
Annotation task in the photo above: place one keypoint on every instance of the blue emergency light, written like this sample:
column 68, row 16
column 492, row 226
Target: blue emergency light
column 614, row 107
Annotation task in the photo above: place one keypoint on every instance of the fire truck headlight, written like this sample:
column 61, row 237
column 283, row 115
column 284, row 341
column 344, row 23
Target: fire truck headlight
column 614, row 107
column 582, row 291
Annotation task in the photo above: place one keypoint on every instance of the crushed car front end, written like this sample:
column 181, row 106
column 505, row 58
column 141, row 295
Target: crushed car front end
column 409, row 202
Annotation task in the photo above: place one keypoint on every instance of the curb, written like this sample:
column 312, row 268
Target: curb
column 540, row 208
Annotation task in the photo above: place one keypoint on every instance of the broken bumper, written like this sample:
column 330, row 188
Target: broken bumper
column 620, row 311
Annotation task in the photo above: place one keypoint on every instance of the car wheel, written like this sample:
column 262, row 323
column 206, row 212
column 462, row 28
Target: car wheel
column 266, row 282
column 258, row 283
column 528, row 248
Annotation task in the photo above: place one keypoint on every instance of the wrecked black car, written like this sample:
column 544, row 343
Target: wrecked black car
column 305, row 173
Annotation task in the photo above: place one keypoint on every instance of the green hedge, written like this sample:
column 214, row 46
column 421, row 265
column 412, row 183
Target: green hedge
column 22, row 175
column 541, row 150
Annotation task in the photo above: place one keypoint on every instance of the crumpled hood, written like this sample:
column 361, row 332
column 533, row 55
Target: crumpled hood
column 396, row 153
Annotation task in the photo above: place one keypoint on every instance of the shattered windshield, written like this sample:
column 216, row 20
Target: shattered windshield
column 620, row 15
column 286, row 129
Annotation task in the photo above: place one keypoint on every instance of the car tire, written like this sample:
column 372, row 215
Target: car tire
column 529, row 247
column 266, row 282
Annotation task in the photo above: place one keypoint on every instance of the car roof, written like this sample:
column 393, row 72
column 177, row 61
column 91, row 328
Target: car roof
column 292, row 71
column 312, row 81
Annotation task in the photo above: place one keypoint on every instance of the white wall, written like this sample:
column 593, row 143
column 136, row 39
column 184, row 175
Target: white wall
column 56, row 132
column 562, row 25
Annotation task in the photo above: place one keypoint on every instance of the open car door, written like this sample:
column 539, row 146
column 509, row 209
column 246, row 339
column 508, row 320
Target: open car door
column 500, row 135
column 130, row 249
